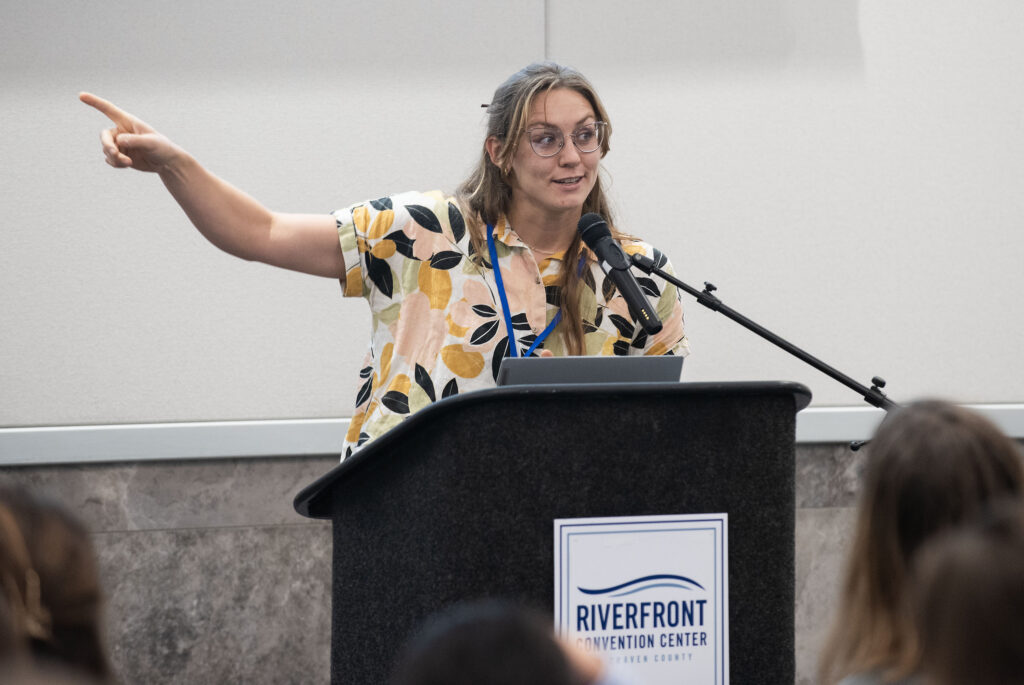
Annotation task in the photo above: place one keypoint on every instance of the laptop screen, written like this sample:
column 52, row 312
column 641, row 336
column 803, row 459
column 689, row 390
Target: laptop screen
column 559, row 370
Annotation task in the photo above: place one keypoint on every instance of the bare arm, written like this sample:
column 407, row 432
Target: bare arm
column 227, row 217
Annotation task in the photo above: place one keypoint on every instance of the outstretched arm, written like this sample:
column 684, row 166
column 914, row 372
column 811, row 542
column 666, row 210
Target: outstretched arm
column 230, row 219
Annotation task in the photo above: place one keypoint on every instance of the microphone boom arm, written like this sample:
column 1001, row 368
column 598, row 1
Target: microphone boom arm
column 873, row 395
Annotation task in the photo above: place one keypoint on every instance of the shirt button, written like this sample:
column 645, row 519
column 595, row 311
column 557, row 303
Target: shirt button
column 537, row 280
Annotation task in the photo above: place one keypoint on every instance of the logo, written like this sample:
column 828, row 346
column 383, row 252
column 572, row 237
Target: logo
column 649, row 594
column 669, row 623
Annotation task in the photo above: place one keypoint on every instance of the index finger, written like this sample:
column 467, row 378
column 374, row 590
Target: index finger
column 112, row 111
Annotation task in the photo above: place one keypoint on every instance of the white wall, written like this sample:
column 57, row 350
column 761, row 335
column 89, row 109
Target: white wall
column 848, row 174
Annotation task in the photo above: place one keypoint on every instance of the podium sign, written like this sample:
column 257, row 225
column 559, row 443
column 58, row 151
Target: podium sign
column 648, row 593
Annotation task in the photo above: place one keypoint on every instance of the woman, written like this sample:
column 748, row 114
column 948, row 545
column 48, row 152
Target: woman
column 931, row 466
column 454, row 283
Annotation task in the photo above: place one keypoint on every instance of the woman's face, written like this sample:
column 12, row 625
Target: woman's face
column 559, row 184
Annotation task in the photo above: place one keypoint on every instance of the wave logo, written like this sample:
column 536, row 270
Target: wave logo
column 608, row 610
column 659, row 580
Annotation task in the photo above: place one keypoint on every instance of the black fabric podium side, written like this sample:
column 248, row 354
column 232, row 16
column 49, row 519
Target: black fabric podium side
column 458, row 503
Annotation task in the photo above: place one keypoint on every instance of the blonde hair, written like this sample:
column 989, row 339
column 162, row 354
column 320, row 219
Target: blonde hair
column 931, row 465
column 486, row 195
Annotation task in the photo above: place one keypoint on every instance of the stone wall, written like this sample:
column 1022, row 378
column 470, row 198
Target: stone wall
column 211, row 576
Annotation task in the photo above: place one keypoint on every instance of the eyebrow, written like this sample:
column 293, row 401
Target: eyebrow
column 550, row 125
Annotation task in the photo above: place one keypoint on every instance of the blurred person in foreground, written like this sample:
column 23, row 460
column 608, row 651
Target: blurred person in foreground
column 969, row 594
column 50, row 592
column 930, row 466
column 495, row 643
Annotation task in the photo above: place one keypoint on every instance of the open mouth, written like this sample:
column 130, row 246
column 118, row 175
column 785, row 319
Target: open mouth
column 569, row 181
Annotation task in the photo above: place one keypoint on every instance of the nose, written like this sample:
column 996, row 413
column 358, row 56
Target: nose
column 569, row 155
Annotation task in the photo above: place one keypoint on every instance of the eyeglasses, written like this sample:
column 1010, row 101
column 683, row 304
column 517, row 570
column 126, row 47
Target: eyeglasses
column 548, row 141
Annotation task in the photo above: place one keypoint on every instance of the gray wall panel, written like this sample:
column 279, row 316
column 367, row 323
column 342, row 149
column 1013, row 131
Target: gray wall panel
column 847, row 173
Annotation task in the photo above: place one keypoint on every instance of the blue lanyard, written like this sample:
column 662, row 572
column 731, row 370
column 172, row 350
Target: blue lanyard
column 513, row 344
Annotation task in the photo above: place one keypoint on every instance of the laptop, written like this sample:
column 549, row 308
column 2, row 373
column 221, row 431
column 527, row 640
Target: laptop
column 562, row 370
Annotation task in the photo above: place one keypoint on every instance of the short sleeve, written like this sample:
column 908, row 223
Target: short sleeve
column 352, row 248
column 665, row 297
column 672, row 337
column 375, row 236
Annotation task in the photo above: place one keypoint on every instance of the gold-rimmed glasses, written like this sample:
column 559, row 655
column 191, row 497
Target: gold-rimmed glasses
column 548, row 141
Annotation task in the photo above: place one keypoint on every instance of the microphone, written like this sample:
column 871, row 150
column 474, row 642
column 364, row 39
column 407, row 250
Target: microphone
column 613, row 260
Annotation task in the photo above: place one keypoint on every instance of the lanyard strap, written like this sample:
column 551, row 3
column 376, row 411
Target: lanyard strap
column 513, row 344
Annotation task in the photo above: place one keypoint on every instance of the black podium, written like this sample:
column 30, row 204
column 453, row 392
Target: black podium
column 458, row 503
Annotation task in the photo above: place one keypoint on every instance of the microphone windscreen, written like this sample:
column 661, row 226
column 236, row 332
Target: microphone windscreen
column 592, row 228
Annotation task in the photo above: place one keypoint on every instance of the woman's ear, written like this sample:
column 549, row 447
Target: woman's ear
column 493, row 147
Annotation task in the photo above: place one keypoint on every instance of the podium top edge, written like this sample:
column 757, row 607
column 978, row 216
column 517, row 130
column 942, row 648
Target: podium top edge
column 308, row 501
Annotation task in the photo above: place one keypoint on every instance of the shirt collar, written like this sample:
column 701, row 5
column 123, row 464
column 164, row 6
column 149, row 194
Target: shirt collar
column 504, row 233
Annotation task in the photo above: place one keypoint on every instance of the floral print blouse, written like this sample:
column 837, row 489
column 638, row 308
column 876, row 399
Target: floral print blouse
column 438, row 327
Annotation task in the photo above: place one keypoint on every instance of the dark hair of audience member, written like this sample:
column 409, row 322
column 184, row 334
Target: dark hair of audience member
column 50, row 587
column 8, row 635
column 486, row 643
column 931, row 465
column 969, row 600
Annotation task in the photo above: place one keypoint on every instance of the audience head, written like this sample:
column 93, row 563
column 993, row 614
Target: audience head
column 930, row 466
column 486, row 643
column 969, row 594
column 49, row 588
